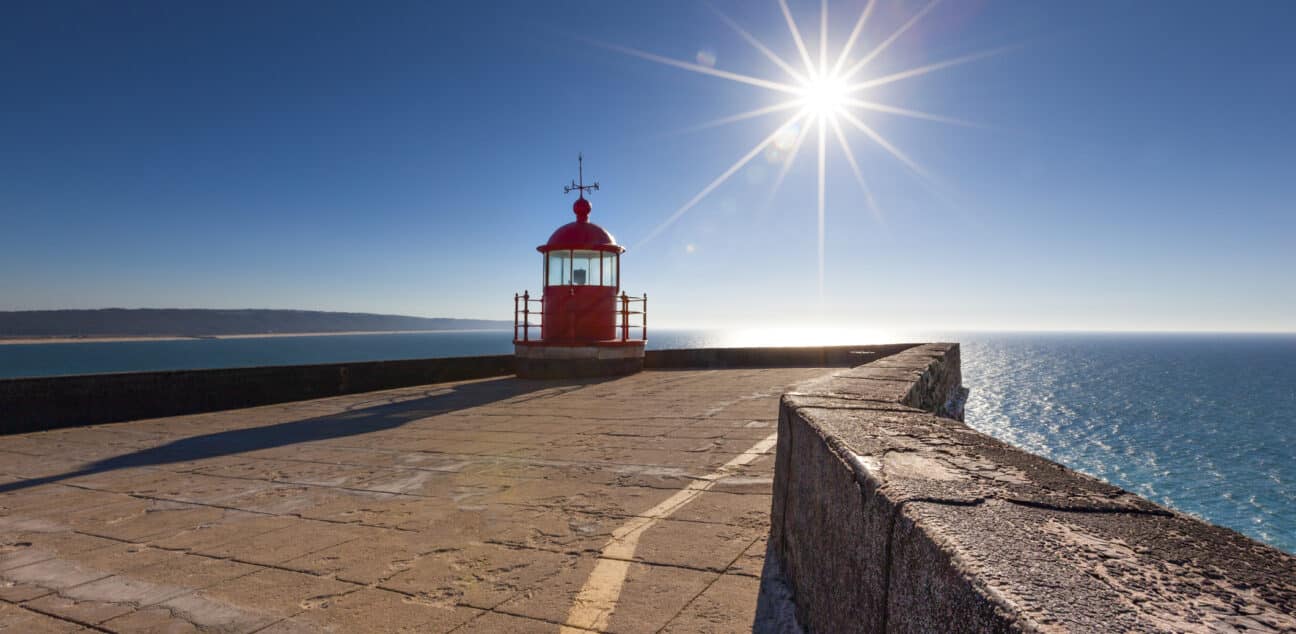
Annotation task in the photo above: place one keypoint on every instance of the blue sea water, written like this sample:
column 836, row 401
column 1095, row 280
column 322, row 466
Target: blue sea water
column 1204, row 423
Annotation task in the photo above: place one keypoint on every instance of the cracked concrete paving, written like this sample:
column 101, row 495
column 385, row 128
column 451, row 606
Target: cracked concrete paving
column 477, row 506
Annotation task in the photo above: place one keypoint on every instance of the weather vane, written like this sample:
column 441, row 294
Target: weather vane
column 582, row 187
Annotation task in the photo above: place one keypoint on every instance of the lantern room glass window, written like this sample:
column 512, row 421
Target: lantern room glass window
column 609, row 269
column 559, row 268
column 581, row 268
column 585, row 268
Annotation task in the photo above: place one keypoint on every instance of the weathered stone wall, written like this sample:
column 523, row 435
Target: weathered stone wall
column 794, row 357
column 890, row 517
column 64, row 401
column 34, row 404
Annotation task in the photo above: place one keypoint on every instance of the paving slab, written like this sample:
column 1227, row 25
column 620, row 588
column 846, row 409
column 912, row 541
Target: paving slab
column 699, row 545
column 651, row 596
column 20, row 620
column 477, row 506
column 370, row 610
column 481, row 576
column 728, row 605
column 495, row 622
column 746, row 504
column 77, row 610
column 150, row 621
column 375, row 556
column 25, row 546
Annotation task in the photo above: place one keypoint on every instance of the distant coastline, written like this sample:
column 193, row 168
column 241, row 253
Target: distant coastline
column 4, row 340
column 172, row 324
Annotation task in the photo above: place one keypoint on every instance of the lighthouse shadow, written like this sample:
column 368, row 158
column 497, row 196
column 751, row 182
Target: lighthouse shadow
column 351, row 422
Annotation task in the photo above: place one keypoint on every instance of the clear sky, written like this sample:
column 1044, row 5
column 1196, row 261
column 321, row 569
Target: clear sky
column 1133, row 164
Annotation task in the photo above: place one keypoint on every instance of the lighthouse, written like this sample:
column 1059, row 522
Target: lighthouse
column 583, row 324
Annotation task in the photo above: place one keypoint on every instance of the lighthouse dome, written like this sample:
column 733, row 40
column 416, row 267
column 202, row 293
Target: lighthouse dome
column 581, row 235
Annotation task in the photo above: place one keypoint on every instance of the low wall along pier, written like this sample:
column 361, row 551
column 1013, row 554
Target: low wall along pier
column 891, row 515
column 33, row 404
column 38, row 403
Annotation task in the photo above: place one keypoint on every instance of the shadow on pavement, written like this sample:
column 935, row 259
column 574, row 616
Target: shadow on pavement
column 352, row 422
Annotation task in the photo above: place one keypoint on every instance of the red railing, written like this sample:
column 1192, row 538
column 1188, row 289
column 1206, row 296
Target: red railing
column 625, row 313
column 524, row 311
column 524, row 315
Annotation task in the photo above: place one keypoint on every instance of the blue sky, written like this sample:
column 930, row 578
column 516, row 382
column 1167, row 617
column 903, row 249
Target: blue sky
column 1133, row 169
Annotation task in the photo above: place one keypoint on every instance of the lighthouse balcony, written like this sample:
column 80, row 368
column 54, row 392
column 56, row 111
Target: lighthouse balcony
column 566, row 339
column 567, row 316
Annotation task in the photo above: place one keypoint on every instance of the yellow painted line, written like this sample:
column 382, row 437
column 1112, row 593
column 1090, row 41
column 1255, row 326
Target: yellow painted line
column 593, row 606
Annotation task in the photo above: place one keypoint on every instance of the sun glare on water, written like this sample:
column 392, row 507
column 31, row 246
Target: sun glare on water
column 824, row 94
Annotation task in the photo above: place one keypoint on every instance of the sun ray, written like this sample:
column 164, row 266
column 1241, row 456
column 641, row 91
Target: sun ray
column 905, row 112
column 823, row 158
column 923, row 70
column 760, row 46
column 719, row 180
column 796, row 37
column 698, row 68
column 787, row 165
column 886, row 145
column 854, row 35
column 859, row 175
column 826, row 96
column 887, row 42
column 934, row 186
column 742, row 116
column 823, row 38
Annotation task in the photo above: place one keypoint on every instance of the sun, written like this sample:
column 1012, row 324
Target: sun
column 824, row 96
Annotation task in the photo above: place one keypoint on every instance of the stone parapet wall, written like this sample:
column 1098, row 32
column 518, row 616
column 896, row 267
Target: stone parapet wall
column 793, row 357
column 35, row 404
column 890, row 517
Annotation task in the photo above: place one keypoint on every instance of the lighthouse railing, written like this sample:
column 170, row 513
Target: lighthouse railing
column 523, row 313
column 528, row 313
column 626, row 310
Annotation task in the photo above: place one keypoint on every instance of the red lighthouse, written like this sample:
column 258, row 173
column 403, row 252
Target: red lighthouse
column 585, row 319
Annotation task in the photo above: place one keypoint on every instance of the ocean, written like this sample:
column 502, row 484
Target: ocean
column 1203, row 423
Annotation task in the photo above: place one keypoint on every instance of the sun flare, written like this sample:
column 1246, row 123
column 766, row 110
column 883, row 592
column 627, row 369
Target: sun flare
column 824, row 97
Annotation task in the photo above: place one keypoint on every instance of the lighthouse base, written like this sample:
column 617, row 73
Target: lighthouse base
column 549, row 360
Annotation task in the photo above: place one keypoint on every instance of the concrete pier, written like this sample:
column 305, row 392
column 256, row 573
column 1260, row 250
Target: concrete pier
column 724, row 498
column 627, row 505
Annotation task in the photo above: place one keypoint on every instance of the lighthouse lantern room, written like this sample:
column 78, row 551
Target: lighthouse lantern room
column 585, row 320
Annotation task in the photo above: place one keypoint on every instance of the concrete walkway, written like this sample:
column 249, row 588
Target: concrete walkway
column 639, row 504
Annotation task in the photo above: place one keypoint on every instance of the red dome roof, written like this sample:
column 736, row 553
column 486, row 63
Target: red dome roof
column 581, row 235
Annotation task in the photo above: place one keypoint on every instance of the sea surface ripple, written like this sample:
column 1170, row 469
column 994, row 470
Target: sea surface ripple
column 1205, row 424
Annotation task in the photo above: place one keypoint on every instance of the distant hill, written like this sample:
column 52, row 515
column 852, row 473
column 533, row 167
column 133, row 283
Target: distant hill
column 188, row 322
